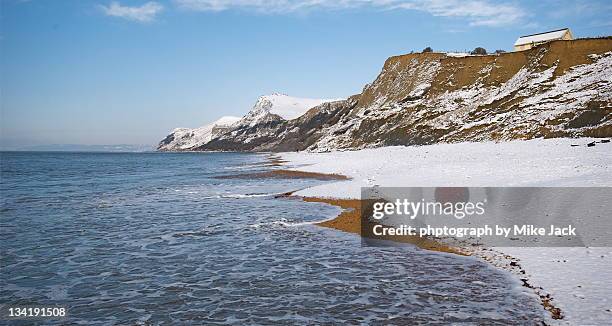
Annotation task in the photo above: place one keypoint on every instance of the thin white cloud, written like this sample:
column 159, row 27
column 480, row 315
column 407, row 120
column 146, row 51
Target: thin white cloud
column 476, row 12
column 260, row 6
column 145, row 13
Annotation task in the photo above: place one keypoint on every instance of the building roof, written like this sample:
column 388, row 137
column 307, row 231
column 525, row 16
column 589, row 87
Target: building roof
column 541, row 37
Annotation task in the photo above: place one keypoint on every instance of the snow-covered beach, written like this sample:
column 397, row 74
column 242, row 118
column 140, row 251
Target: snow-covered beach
column 576, row 278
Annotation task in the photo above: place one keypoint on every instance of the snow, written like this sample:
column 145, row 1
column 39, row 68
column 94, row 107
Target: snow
column 481, row 164
column 458, row 54
column 554, row 35
column 290, row 108
column 284, row 106
column 226, row 121
column 578, row 279
column 575, row 86
column 185, row 138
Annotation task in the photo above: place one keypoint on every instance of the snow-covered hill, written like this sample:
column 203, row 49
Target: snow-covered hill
column 185, row 138
column 268, row 110
column 278, row 107
column 260, row 124
column 555, row 90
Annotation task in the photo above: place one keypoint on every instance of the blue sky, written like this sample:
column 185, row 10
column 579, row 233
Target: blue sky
column 111, row 72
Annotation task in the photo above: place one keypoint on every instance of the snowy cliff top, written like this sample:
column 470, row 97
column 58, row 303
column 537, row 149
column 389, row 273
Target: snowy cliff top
column 288, row 107
column 284, row 106
column 226, row 121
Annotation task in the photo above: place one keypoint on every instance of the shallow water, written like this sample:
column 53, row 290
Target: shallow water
column 154, row 238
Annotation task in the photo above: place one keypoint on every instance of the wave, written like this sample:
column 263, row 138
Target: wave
column 284, row 223
column 249, row 166
column 239, row 196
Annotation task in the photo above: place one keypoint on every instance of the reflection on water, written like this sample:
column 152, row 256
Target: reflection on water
column 154, row 238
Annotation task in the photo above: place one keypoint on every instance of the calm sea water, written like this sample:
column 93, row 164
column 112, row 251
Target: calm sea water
column 155, row 238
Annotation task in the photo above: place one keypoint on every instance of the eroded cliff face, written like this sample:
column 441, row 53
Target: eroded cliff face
column 559, row 89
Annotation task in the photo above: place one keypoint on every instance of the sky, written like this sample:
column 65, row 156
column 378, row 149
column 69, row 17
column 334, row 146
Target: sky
column 128, row 71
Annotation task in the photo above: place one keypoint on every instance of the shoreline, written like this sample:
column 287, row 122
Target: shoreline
column 349, row 221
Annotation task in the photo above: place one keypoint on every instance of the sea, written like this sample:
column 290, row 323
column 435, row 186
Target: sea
column 197, row 239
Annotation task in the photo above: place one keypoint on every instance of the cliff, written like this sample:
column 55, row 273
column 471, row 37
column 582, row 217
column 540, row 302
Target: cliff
column 268, row 111
column 184, row 139
column 558, row 89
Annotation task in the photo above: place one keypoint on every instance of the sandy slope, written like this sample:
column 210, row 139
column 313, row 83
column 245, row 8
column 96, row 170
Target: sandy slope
column 577, row 278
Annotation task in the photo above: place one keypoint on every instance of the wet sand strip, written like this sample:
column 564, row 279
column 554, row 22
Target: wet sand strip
column 285, row 174
column 350, row 221
column 276, row 160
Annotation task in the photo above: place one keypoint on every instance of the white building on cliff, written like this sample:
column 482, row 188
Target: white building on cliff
column 528, row 41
